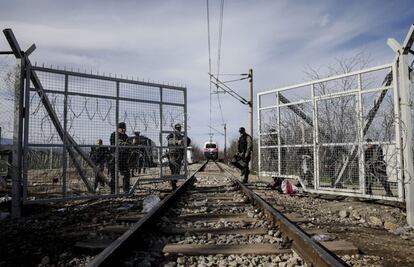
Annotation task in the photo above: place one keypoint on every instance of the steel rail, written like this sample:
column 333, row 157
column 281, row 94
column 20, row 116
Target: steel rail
column 110, row 256
column 310, row 250
column 218, row 166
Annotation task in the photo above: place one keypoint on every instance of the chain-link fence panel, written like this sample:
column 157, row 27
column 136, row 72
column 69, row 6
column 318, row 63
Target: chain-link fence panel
column 90, row 136
column 8, row 71
column 335, row 135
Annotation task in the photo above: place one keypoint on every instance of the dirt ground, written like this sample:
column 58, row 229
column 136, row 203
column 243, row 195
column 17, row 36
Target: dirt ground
column 45, row 236
column 377, row 228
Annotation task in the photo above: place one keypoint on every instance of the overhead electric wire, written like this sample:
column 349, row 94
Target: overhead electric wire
column 219, row 54
column 241, row 99
column 236, row 80
column 209, row 57
column 232, row 74
column 217, row 131
column 228, row 90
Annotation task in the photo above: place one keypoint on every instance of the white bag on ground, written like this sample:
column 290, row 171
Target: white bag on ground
column 288, row 187
column 149, row 202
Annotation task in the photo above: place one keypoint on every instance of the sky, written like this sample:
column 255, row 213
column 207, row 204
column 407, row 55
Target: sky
column 166, row 41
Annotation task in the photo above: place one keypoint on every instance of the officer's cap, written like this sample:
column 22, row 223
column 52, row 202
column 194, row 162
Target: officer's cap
column 242, row 130
column 122, row 125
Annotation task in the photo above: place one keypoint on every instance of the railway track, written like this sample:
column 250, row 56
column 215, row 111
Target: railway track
column 214, row 220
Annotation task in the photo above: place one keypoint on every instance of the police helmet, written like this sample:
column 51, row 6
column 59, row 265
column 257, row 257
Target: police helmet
column 122, row 125
column 177, row 126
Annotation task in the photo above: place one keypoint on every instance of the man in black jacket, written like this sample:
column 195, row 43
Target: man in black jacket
column 177, row 151
column 123, row 157
column 244, row 152
column 375, row 168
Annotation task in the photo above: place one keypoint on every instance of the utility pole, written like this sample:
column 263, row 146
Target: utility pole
column 250, row 103
column 225, row 143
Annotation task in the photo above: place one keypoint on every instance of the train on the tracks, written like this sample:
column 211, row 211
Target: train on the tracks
column 210, row 150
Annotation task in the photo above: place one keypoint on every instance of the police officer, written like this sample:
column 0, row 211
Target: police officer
column 137, row 155
column 375, row 167
column 123, row 157
column 244, row 152
column 99, row 155
column 176, row 151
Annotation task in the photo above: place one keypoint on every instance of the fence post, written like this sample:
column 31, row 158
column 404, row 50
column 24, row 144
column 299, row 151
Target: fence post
column 360, row 139
column 160, row 138
column 116, row 176
column 279, row 138
column 259, row 138
column 407, row 138
column 186, row 135
column 17, row 139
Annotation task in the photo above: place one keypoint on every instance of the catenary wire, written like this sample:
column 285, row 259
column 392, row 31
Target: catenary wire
column 219, row 55
column 209, row 58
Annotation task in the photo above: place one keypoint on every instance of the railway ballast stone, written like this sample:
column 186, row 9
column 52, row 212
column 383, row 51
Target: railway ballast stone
column 344, row 213
column 375, row 221
column 390, row 225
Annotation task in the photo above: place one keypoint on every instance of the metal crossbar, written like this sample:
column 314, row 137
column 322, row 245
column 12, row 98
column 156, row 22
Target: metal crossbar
column 46, row 102
column 63, row 113
column 324, row 149
column 367, row 123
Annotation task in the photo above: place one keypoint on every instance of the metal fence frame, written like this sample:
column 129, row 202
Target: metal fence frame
column 403, row 95
column 357, row 92
column 31, row 70
column 29, row 82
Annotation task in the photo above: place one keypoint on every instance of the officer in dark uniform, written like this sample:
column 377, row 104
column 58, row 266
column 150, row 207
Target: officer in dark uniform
column 177, row 150
column 99, row 155
column 375, row 167
column 137, row 155
column 123, row 157
column 244, row 152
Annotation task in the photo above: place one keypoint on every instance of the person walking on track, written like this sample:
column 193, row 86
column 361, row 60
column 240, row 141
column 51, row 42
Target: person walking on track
column 244, row 152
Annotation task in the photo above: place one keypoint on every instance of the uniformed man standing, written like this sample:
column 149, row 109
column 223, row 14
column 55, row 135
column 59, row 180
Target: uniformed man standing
column 137, row 155
column 375, row 168
column 99, row 155
column 177, row 147
column 123, row 157
column 242, row 158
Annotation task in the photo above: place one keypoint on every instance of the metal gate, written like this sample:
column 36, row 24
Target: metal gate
column 63, row 124
column 339, row 135
column 62, row 132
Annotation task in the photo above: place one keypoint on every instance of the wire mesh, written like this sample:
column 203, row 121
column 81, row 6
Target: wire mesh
column 78, row 147
column 45, row 172
column 8, row 72
column 337, row 134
